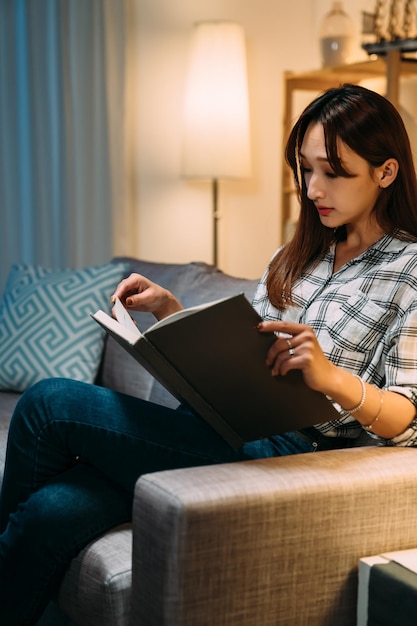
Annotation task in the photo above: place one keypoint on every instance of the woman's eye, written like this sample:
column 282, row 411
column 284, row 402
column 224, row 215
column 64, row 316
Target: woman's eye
column 331, row 175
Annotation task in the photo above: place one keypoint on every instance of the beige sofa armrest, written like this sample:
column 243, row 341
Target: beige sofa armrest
column 268, row 542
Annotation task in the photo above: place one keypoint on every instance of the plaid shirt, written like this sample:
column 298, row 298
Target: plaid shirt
column 365, row 318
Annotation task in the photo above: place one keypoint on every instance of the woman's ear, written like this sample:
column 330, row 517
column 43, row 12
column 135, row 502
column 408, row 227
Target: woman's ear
column 387, row 173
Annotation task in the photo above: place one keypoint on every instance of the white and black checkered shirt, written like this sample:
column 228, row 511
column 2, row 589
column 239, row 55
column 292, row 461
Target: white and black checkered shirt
column 365, row 319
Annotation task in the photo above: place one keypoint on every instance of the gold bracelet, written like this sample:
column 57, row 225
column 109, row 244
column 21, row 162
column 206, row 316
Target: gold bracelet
column 363, row 397
column 370, row 427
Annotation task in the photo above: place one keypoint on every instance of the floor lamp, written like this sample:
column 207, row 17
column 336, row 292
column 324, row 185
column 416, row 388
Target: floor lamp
column 216, row 125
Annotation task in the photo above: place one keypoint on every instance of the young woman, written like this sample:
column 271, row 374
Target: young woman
column 344, row 290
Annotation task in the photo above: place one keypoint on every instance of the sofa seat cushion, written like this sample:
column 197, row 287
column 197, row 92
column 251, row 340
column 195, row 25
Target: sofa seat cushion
column 97, row 587
column 8, row 401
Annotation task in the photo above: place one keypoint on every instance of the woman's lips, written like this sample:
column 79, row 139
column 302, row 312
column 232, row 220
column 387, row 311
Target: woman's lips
column 324, row 210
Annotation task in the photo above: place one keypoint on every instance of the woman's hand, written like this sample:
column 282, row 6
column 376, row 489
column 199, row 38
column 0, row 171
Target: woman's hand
column 298, row 349
column 140, row 294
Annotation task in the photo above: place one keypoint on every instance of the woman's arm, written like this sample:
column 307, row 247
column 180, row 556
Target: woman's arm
column 387, row 413
column 140, row 294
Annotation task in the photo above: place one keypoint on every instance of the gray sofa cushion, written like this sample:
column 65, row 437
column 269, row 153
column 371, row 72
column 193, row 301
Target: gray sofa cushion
column 8, row 401
column 96, row 589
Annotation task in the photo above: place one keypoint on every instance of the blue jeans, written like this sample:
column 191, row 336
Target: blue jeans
column 75, row 452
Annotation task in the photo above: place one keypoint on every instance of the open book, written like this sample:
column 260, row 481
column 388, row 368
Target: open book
column 212, row 358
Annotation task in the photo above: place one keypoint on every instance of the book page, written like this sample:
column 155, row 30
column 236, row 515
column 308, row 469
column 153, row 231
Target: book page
column 184, row 313
column 113, row 326
column 123, row 317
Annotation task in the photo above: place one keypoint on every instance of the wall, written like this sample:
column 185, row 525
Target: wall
column 174, row 215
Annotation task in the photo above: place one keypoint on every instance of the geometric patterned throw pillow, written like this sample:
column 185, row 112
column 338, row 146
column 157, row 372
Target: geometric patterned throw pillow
column 45, row 324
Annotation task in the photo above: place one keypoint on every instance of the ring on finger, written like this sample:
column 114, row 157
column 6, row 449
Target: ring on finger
column 291, row 350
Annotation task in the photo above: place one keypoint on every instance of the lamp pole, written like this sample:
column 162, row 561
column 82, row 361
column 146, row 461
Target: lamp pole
column 216, row 217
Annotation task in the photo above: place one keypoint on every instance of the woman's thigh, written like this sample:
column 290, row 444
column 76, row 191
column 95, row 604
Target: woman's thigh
column 60, row 422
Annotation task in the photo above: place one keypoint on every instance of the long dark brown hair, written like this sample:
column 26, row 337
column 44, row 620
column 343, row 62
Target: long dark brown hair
column 371, row 126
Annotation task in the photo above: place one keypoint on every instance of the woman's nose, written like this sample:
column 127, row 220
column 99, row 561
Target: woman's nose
column 315, row 190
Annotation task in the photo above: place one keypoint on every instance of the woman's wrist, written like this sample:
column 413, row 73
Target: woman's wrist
column 171, row 305
column 363, row 401
column 370, row 427
column 382, row 412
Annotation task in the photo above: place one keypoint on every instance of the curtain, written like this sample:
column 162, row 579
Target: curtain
column 62, row 131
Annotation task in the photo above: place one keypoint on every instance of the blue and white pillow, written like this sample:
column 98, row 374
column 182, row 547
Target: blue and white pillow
column 45, row 324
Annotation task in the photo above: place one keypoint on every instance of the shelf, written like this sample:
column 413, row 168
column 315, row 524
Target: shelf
column 383, row 47
column 352, row 73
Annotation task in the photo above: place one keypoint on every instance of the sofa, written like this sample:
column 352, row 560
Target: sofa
column 259, row 543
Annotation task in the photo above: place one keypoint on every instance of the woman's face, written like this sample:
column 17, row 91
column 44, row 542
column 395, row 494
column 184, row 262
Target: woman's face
column 338, row 200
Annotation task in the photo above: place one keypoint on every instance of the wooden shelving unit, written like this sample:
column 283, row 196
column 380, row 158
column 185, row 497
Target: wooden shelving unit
column 390, row 65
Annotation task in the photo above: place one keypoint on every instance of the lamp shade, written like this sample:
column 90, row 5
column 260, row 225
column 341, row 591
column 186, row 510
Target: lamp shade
column 216, row 133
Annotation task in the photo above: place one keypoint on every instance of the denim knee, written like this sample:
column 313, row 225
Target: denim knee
column 44, row 400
